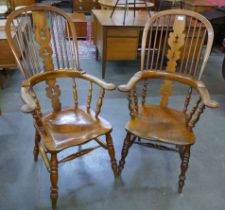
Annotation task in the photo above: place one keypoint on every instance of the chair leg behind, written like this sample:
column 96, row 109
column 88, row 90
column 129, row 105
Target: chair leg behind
column 126, row 145
column 36, row 147
column 111, row 152
column 185, row 156
column 54, row 180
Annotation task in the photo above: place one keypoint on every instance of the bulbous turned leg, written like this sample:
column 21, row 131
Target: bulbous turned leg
column 126, row 145
column 36, row 142
column 185, row 155
column 54, row 180
column 112, row 154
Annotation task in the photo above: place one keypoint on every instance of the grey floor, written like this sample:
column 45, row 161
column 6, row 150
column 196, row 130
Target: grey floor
column 150, row 176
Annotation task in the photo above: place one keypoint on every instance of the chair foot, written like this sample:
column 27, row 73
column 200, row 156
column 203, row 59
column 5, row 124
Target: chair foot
column 54, row 180
column 36, row 142
column 126, row 145
column 112, row 154
column 185, row 156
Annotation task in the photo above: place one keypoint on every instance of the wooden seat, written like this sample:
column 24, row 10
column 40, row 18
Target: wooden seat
column 175, row 52
column 45, row 56
column 71, row 127
column 161, row 124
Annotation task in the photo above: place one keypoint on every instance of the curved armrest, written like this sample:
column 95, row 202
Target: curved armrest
column 29, row 105
column 67, row 73
column 205, row 96
column 198, row 85
column 99, row 82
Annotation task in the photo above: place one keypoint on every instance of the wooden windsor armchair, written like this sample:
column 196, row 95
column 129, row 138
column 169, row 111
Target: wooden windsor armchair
column 175, row 48
column 45, row 56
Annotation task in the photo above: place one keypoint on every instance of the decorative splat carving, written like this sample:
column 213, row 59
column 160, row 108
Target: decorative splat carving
column 175, row 42
column 53, row 92
column 43, row 38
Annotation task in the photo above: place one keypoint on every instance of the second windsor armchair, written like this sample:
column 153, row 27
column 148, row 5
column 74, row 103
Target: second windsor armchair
column 173, row 51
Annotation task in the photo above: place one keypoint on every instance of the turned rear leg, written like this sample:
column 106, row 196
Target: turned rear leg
column 126, row 145
column 111, row 152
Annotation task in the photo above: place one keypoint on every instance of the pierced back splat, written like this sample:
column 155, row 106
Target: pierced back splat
column 175, row 42
column 43, row 38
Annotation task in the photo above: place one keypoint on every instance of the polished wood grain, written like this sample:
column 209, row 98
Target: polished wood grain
column 148, row 125
column 45, row 56
column 163, row 126
column 175, row 42
column 68, row 128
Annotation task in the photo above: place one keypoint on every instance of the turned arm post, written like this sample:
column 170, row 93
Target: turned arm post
column 99, row 102
column 195, row 113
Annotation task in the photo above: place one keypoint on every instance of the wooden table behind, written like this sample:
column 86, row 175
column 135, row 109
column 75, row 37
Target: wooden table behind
column 199, row 5
column 115, row 41
column 7, row 59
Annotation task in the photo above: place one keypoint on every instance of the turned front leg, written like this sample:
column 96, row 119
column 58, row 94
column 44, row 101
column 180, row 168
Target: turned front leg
column 54, row 180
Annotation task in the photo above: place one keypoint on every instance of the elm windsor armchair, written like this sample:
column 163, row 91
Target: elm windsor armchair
column 172, row 51
column 44, row 55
